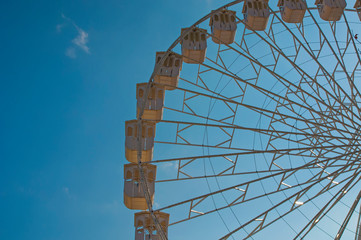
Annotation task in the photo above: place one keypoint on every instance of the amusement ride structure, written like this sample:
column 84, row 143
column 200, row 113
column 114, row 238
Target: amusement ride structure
column 249, row 127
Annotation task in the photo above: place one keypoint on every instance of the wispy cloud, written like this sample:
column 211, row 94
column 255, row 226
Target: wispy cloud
column 156, row 205
column 59, row 27
column 169, row 166
column 79, row 42
column 70, row 52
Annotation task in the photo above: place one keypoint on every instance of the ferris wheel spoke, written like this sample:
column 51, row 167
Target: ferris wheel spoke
column 335, row 86
column 309, row 124
column 278, row 52
column 200, row 202
column 225, row 143
column 320, row 152
column 342, row 64
column 320, row 161
column 291, row 199
column 199, row 116
column 352, row 40
column 309, row 139
column 347, row 164
column 303, row 95
column 286, row 151
column 354, row 92
column 327, row 162
column 262, row 111
column 287, row 173
column 328, row 94
column 252, row 62
column 240, row 173
column 258, row 130
column 326, row 135
column 342, row 54
column 333, row 110
column 279, row 134
column 348, row 217
column 217, row 146
column 356, row 50
column 317, row 140
column 313, row 133
column 288, row 85
column 322, row 213
column 186, row 166
column 327, row 207
column 290, row 103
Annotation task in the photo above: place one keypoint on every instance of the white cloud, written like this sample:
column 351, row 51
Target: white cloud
column 169, row 166
column 80, row 41
column 156, row 205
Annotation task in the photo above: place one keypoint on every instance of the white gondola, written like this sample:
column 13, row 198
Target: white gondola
column 330, row 10
column 223, row 25
column 153, row 109
column 292, row 11
column 357, row 6
column 134, row 197
column 131, row 146
column 256, row 14
column 169, row 72
column 145, row 228
column 194, row 45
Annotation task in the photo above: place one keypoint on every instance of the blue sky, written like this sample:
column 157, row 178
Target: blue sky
column 68, row 75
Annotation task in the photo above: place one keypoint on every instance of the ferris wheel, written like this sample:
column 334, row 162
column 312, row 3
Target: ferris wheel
column 249, row 127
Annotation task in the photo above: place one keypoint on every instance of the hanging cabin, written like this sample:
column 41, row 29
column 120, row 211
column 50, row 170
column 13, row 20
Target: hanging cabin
column 194, row 45
column 168, row 74
column 223, row 25
column 357, row 6
column 331, row 10
column 292, row 11
column 153, row 109
column 145, row 228
column 131, row 146
column 134, row 197
column 256, row 14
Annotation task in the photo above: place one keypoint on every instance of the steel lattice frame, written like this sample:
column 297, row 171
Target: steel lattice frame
column 295, row 102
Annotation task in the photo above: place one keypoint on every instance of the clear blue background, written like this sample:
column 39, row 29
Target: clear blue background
column 62, row 118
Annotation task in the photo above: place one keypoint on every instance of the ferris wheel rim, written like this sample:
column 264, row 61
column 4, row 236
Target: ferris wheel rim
column 139, row 119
